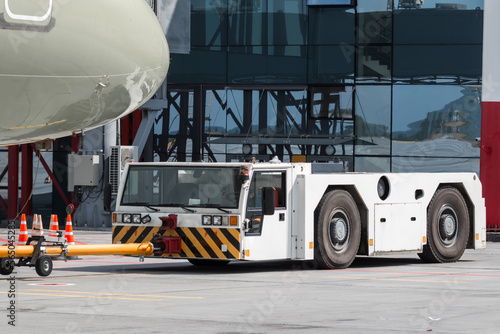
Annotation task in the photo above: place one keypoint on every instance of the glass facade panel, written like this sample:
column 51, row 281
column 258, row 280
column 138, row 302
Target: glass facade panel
column 287, row 22
column 267, row 65
column 439, row 121
column 203, row 65
column 374, row 22
column 331, row 64
column 440, row 25
column 374, row 64
column 263, row 22
column 328, row 25
column 372, row 164
column 208, row 22
column 373, row 120
column 291, row 70
column 434, row 165
column 437, row 63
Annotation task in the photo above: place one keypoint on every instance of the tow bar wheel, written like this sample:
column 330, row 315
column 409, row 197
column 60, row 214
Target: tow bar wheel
column 338, row 230
column 43, row 265
column 448, row 226
column 6, row 266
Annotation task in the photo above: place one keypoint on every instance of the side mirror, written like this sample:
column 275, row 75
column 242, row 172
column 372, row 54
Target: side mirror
column 268, row 201
column 107, row 197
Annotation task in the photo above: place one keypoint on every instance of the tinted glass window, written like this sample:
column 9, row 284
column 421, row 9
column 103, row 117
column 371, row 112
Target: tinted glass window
column 329, row 25
column 263, row 22
column 374, row 22
column 208, row 22
column 436, row 121
column 331, row 64
column 373, row 120
column 202, row 65
column 437, row 63
column 276, row 64
column 434, row 165
column 374, row 63
column 372, row 164
column 439, row 25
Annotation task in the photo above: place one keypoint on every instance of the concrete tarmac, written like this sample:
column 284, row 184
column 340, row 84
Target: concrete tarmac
column 116, row 294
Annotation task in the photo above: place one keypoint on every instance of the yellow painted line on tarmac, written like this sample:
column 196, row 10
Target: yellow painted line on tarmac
column 117, row 294
column 80, row 296
column 378, row 279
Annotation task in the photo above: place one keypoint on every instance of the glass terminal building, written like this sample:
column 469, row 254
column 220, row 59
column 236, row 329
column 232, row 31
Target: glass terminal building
column 382, row 85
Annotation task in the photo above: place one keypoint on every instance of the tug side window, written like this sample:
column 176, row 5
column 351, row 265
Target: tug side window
column 276, row 180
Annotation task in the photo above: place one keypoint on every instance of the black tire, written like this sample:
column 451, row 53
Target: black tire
column 43, row 265
column 338, row 230
column 448, row 226
column 208, row 262
column 6, row 266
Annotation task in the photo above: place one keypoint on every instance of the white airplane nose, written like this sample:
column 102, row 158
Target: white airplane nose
column 78, row 66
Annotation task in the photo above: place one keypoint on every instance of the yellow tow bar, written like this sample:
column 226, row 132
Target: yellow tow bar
column 39, row 256
column 145, row 248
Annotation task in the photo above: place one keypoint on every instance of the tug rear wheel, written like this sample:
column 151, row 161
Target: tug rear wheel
column 43, row 265
column 338, row 230
column 448, row 227
column 6, row 266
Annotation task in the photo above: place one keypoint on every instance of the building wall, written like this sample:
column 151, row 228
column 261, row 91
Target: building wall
column 398, row 88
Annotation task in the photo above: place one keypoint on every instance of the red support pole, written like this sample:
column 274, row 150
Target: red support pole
column 13, row 187
column 136, row 123
column 75, row 143
column 125, row 130
column 26, row 179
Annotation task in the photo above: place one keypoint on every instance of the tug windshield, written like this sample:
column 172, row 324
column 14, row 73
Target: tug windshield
column 181, row 186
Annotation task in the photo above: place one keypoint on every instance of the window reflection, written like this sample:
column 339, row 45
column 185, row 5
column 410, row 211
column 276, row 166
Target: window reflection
column 373, row 120
column 434, row 165
column 374, row 64
column 374, row 21
column 439, row 26
column 267, row 22
column 267, row 65
column 331, row 64
column 208, row 22
column 329, row 25
column 206, row 65
column 438, row 63
column 372, row 165
column 440, row 121
column 440, row 4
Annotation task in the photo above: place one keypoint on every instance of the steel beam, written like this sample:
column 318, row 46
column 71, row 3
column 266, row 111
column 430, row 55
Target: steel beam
column 13, row 188
column 26, row 179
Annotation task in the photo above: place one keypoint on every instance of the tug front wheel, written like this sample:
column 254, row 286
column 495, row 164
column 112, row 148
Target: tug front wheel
column 338, row 230
column 6, row 266
column 43, row 265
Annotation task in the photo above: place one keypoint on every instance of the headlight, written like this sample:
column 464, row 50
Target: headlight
column 146, row 219
column 217, row 220
column 207, row 220
column 136, row 218
column 127, row 218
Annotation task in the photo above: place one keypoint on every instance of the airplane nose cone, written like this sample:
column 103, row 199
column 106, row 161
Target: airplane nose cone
column 86, row 64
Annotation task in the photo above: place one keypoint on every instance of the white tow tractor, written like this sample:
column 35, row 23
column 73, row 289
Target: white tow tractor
column 214, row 213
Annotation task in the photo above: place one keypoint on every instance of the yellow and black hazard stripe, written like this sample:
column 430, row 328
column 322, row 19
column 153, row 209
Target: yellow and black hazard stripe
column 207, row 243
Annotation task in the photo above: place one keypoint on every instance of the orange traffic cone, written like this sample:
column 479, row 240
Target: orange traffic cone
column 23, row 231
column 68, row 233
column 37, row 230
column 54, row 226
